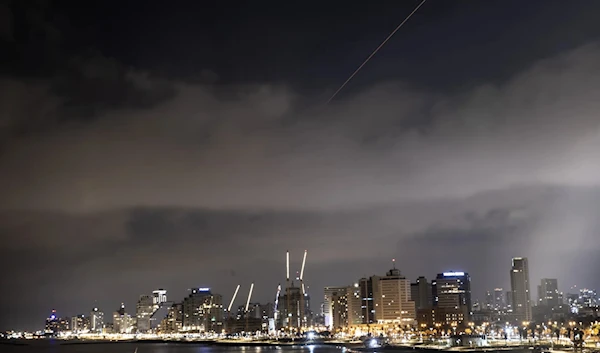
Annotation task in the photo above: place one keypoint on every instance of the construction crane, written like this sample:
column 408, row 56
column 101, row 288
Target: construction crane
column 287, row 287
column 276, row 303
column 302, row 308
column 296, row 294
column 233, row 298
column 302, row 272
column 249, row 295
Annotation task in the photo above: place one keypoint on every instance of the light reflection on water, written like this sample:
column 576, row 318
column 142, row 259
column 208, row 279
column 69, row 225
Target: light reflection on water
column 54, row 347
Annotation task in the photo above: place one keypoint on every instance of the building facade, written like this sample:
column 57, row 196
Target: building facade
column 143, row 312
column 202, row 311
column 173, row 323
column 367, row 302
column 421, row 293
column 339, row 308
column 293, row 309
column 354, row 302
column 55, row 325
column 499, row 302
column 329, row 293
column 521, row 293
column 548, row 294
column 96, row 320
column 392, row 297
column 452, row 298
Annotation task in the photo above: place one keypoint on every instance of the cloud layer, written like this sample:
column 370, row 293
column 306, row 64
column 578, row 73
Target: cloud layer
column 254, row 148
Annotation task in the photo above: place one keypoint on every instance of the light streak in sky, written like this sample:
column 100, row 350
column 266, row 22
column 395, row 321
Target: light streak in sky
column 374, row 52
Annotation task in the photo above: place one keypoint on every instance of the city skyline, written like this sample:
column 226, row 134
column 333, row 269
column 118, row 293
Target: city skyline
column 164, row 146
column 445, row 305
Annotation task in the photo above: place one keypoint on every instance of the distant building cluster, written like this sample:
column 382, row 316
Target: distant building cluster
column 375, row 304
column 445, row 304
column 379, row 302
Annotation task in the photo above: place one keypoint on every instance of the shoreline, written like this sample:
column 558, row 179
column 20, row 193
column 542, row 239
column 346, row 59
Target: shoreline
column 351, row 347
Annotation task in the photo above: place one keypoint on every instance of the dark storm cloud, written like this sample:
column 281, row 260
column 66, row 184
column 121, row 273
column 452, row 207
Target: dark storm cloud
column 48, row 83
column 256, row 150
column 6, row 22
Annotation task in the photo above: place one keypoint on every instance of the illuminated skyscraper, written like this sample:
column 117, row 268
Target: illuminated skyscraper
column 55, row 324
column 328, row 303
column 80, row 324
column 202, row 311
column 123, row 322
column 521, row 294
column 339, row 308
column 452, row 298
column 174, row 320
column 392, row 297
column 354, row 305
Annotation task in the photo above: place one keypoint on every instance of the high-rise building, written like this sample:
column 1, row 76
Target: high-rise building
column 392, row 297
column 123, row 322
column 489, row 300
column 96, row 320
column 367, row 302
column 55, row 325
column 509, row 301
column 293, row 308
column 328, row 303
column 521, row 294
column 452, row 298
column 203, row 311
column 143, row 313
column 343, row 306
column 354, row 301
column 420, row 293
column 80, row 324
column 548, row 294
column 339, row 308
column 173, row 323
column 499, row 302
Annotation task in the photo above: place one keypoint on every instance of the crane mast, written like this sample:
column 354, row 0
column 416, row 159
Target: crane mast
column 233, row 298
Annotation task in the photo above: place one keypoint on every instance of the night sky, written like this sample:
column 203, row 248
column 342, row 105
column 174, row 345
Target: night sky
column 186, row 144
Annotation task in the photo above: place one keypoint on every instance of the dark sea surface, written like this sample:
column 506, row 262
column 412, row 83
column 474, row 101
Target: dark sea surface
column 57, row 347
